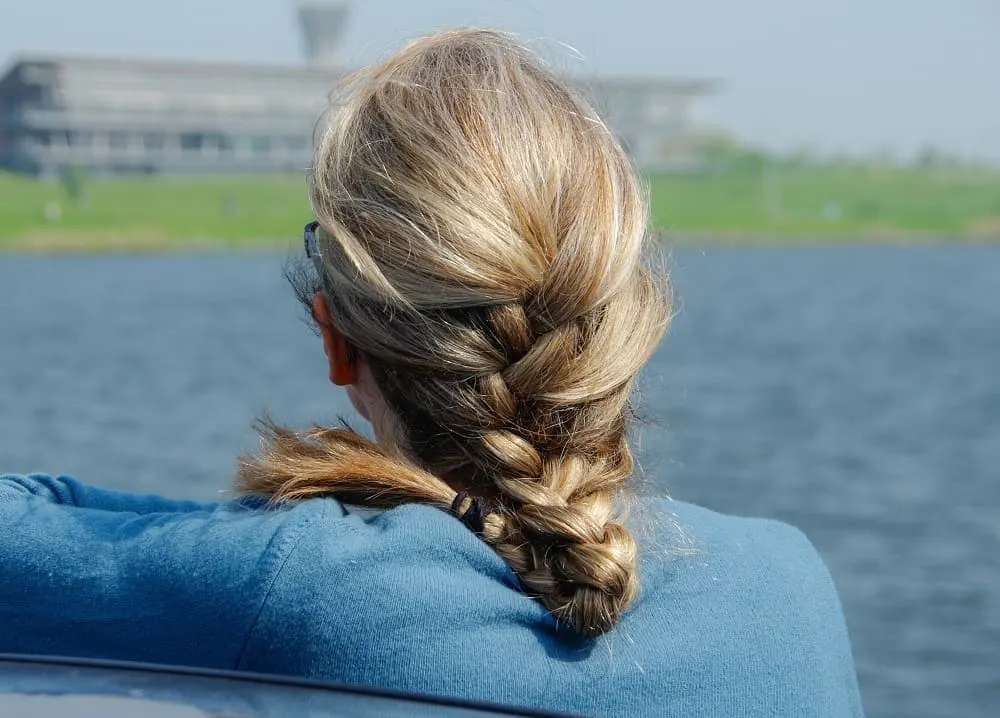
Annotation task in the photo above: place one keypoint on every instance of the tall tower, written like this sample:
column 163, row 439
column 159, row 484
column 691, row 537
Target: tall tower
column 322, row 24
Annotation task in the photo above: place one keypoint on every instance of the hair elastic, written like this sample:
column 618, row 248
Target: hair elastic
column 473, row 517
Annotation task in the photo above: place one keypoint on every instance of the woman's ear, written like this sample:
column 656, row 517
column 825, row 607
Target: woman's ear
column 339, row 357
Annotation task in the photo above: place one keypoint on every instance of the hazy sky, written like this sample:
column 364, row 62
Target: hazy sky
column 851, row 76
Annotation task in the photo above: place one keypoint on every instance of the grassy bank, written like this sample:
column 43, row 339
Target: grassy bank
column 150, row 213
column 846, row 200
column 776, row 201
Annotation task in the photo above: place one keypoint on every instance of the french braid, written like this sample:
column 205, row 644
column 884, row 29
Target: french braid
column 482, row 236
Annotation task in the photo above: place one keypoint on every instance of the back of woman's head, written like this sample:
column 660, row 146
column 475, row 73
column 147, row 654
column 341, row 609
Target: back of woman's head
column 481, row 234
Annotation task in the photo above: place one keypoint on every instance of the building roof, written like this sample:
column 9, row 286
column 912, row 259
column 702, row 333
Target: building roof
column 315, row 75
column 170, row 66
column 172, row 88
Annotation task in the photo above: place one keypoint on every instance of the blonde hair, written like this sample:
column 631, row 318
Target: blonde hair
column 482, row 241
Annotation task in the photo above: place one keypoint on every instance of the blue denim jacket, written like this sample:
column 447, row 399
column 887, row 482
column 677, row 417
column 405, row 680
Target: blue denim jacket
column 736, row 617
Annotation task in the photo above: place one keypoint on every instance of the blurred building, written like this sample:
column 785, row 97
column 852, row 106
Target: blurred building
column 111, row 116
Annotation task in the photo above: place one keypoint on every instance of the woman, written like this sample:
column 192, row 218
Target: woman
column 476, row 275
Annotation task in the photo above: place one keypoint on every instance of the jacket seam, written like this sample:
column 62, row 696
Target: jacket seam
column 270, row 588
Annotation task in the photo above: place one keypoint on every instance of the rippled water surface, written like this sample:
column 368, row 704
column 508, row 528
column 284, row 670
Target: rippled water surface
column 854, row 392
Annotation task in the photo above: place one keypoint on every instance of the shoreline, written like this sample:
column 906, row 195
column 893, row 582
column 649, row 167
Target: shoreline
column 143, row 243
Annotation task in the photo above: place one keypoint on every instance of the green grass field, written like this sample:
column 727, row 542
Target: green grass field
column 152, row 213
column 785, row 203
column 833, row 201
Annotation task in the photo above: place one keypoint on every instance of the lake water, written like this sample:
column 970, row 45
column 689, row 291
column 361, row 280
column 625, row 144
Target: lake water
column 854, row 392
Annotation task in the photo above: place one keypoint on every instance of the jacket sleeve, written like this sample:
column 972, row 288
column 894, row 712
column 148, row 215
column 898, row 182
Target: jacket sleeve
column 161, row 582
column 69, row 491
